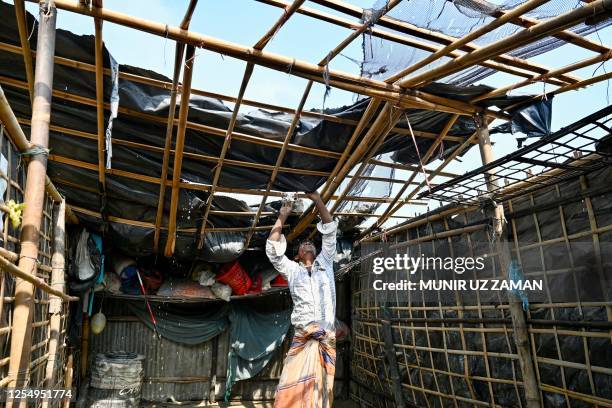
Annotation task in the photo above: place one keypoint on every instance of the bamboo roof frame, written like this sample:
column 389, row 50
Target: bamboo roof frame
column 248, row 71
column 395, row 96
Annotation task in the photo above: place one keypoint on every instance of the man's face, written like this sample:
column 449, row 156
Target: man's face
column 307, row 248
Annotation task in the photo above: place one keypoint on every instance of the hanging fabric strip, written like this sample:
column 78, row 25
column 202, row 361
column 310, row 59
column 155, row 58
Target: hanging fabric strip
column 114, row 107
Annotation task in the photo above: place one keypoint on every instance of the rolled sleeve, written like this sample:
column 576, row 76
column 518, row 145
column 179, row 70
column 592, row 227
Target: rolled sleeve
column 275, row 250
column 327, row 228
column 328, row 241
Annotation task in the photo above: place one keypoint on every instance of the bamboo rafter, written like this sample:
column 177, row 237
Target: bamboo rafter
column 520, row 38
column 168, row 86
column 323, row 63
column 342, row 80
column 379, row 90
column 178, row 59
column 502, row 63
column 20, row 15
column 180, row 143
column 287, row 13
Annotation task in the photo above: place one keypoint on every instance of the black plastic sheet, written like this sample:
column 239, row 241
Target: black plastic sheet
column 131, row 199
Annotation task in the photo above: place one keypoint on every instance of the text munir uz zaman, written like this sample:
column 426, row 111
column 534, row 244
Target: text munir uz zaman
column 459, row 265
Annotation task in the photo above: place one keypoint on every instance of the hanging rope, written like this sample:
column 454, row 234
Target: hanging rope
column 416, row 147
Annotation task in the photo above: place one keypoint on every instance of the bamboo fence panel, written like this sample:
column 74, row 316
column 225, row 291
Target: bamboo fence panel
column 14, row 177
column 458, row 351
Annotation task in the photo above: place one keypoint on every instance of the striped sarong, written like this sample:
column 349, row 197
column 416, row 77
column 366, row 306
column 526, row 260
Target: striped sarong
column 307, row 380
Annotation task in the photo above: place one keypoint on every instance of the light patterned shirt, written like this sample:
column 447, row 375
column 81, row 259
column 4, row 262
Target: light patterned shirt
column 314, row 295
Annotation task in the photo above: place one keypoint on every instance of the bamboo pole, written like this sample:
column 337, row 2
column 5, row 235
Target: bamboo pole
column 178, row 60
column 21, row 340
column 14, row 270
column 323, row 63
column 342, row 80
column 68, row 375
column 568, row 68
column 514, row 41
column 16, row 135
column 168, row 86
column 55, row 305
column 517, row 11
column 22, row 26
column 502, row 63
column 99, row 62
column 521, row 335
column 410, row 179
column 180, row 143
column 287, row 13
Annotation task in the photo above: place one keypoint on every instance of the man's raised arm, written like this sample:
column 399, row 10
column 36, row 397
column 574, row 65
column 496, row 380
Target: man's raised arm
column 276, row 244
column 277, row 228
column 325, row 215
column 327, row 228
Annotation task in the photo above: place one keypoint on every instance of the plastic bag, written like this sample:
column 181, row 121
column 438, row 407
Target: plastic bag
column 223, row 247
column 222, row 291
column 120, row 262
column 203, row 273
column 87, row 257
column 267, row 276
column 342, row 331
column 184, row 288
column 207, row 278
column 112, row 283
column 129, row 281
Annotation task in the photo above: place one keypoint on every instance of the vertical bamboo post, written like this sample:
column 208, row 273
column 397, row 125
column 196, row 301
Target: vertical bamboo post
column 85, row 344
column 519, row 322
column 99, row 72
column 396, row 382
column 21, row 341
column 178, row 149
column 68, row 371
column 22, row 21
column 179, row 52
column 55, row 303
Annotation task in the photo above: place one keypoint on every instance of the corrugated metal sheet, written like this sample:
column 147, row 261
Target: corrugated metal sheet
column 184, row 372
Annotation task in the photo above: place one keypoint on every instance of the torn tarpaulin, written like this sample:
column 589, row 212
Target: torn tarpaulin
column 138, row 139
column 533, row 120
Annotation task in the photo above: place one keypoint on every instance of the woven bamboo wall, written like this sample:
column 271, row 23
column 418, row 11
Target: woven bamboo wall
column 454, row 353
column 15, row 179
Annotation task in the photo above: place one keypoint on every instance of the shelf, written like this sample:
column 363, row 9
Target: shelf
column 176, row 299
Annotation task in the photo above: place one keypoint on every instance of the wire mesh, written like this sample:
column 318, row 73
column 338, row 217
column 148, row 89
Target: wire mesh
column 454, row 19
column 577, row 149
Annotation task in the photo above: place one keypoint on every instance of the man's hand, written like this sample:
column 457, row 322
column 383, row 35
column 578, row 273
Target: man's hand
column 285, row 209
column 314, row 196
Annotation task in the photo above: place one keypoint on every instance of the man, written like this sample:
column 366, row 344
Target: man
column 307, row 379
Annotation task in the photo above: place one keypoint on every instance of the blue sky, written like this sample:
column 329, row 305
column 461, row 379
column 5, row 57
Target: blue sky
column 244, row 21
